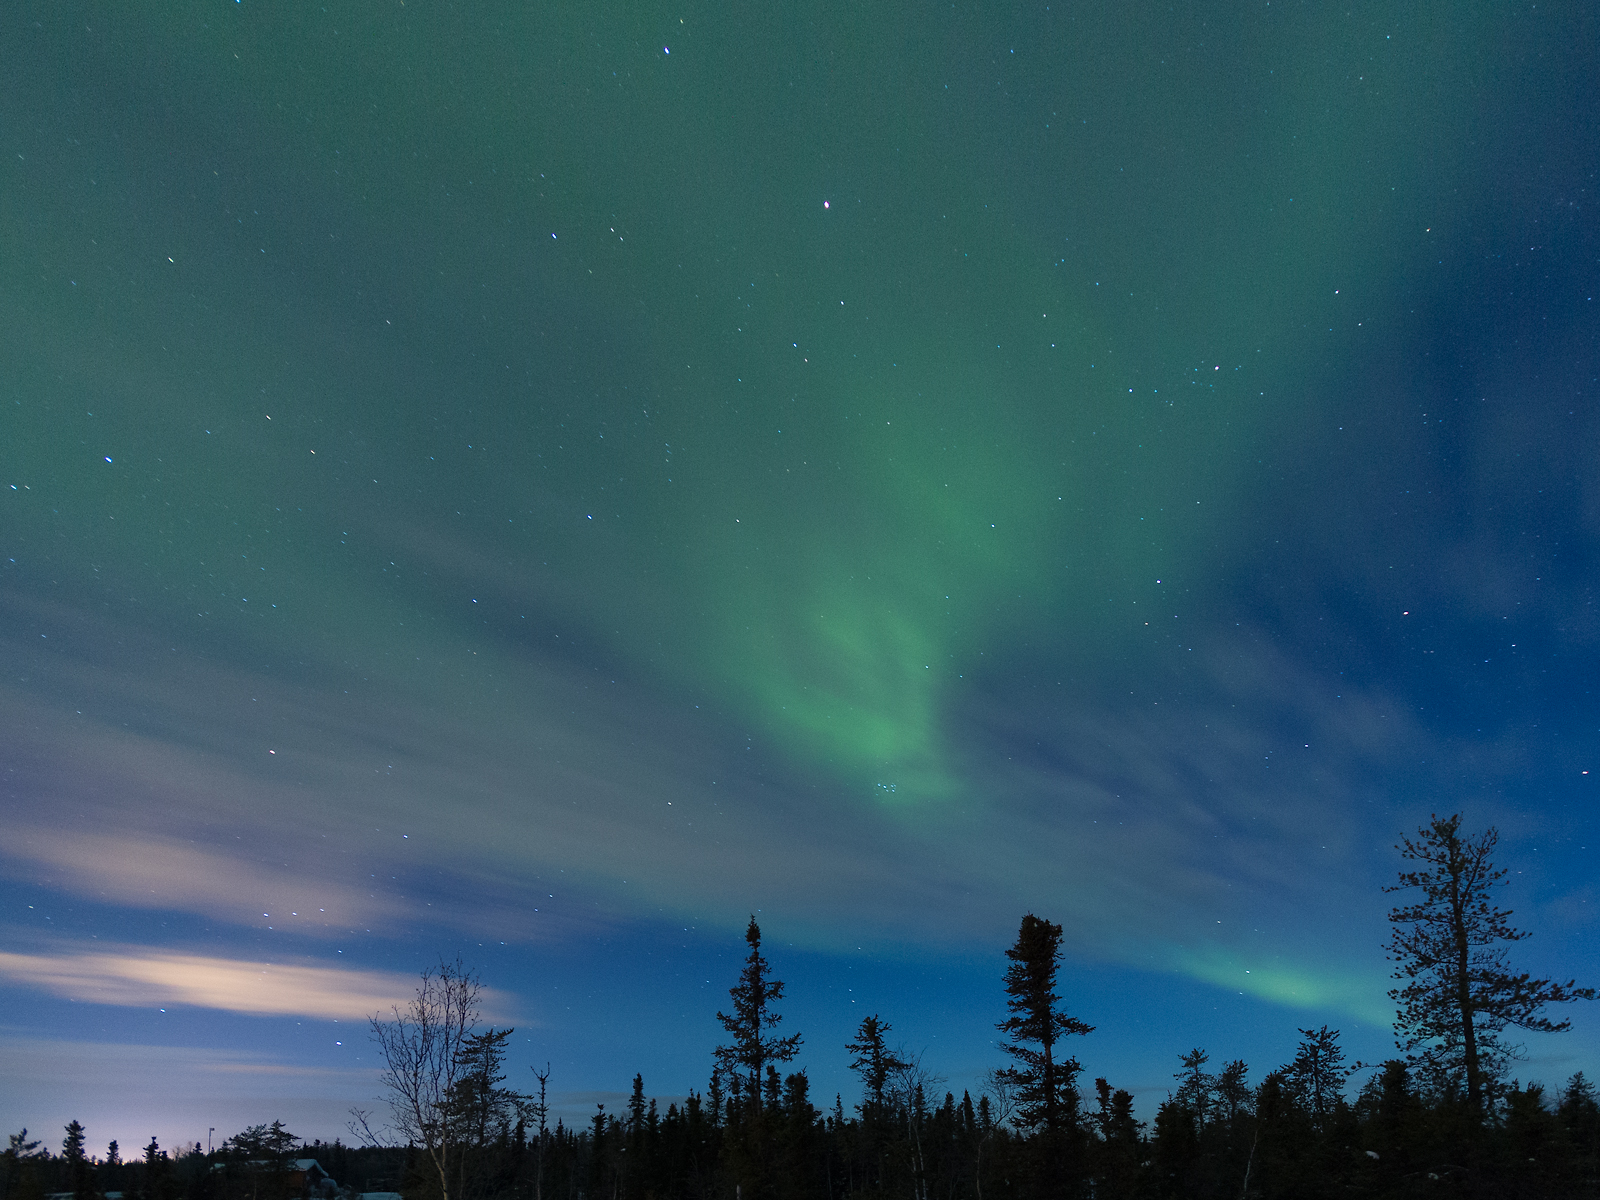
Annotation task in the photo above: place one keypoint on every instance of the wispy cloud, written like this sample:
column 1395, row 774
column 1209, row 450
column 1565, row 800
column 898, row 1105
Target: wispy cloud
column 33, row 1062
column 143, row 977
column 148, row 871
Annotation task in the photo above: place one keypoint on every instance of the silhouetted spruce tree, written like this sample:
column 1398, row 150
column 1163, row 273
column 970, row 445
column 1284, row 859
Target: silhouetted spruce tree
column 1195, row 1087
column 1044, row 1078
column 1121, row 1149
column 695, row 1161
column 799, row 1150
column 749, row 1065
column 79, row 1174
column 599, row 1153
column 110, row 1173
column 914, row 1113
column 1535, row 1156
column 1318, row 1073
column 635, row 1167
column 753, row 1018
column 1459, row 994
column 947, row 1146
column 716, row 1099
column 1174, row 1153
column 876, row 1064
column 1217, row 1109
column 963, row 1159
column 481, row 1113
column 156, row 1183
column 19, row 1176
column 652, row 1149
column 1279, row 1161
column 1231, row 1094
column 1580, row 1115
column 564, row 1163
column 479, row 1107
column 1231, row 1136
column 1393, row 1128
column 992, row 1144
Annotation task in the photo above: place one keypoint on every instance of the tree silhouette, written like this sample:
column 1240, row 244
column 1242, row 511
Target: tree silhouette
column 1318, row 1072
column 540, row 1109
column 273, row 1142
column 1459, row 994
column 1043, row 1079
column 875, row 1063
column 1230, row 1094
column 426, row 1051
column 479, row 1106
column 1195, row 1086
column 157, row 1178
column 77, row 1163
column 17, row 1178
column 746, row 1060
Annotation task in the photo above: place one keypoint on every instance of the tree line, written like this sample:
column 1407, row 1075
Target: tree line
column 257, row 1163
column 1443, row 1118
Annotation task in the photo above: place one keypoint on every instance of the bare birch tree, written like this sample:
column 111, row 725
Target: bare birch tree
column 425, row 1065
column 911, row 1083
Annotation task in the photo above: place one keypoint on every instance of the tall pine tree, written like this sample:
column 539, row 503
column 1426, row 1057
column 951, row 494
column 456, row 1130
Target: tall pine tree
column 1458, row 993
column 751, row 1022
column 77, row 1163
column 750, row 1066
column 1318, row 1073
column 876, row 1064
column 1044, row 1077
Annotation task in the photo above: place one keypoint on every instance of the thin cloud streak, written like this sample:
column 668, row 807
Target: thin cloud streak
column 144, row 978
column 221, row 1070
column 163, row 873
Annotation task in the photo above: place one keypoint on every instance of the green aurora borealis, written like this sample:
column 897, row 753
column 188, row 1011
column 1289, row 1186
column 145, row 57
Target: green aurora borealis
column 967, row 461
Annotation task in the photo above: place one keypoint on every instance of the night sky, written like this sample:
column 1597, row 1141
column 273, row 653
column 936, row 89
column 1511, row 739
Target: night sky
column 544, row 482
